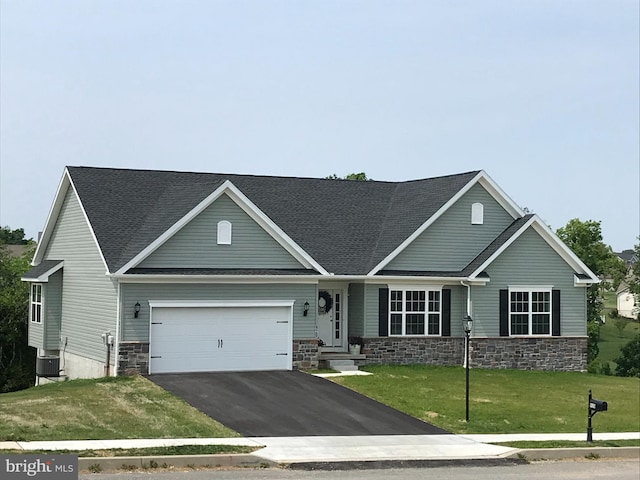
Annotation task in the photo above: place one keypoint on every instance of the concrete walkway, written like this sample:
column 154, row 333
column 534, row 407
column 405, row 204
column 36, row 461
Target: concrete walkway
column 340, row 449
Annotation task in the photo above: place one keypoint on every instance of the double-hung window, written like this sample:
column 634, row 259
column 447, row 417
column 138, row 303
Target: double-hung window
column 415, row 311
column 36, row 302
column 530, row 311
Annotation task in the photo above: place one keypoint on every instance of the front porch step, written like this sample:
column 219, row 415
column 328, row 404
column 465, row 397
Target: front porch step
column 342, row 365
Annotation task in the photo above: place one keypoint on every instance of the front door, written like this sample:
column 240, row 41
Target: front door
column 331, row 317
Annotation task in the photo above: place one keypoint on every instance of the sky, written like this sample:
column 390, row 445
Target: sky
column 543, row 95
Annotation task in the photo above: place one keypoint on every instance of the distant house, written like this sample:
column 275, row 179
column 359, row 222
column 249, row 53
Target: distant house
column 158, row 271
column 626, row 302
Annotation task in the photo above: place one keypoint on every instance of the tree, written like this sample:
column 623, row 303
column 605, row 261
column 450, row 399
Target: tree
column 628, row 363
column 17, row 359
column 362, row 177
column 12, row 237
column 585, row 240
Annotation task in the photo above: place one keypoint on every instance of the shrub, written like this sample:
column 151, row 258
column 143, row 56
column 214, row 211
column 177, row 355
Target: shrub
column 629, row 359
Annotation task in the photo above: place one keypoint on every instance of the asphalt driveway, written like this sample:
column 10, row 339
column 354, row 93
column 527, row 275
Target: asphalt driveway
column 288, row 404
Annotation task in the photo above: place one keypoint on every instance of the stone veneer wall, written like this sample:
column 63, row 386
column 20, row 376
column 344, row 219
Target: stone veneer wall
column 540, row 353
column 133, row 358
column 408, row 350
column 305, row 354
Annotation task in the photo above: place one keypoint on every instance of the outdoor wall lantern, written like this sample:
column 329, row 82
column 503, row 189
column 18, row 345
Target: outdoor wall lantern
column 136, row 309
column 467, row 324
column 306, row 308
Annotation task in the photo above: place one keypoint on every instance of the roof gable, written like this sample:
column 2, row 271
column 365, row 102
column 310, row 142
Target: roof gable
column 512, row 233
column 443, row 195
column 227, row 188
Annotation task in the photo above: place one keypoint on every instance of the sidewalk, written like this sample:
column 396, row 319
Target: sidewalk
column 285, row 450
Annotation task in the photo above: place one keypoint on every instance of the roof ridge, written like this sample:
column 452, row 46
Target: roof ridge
column 255, row 175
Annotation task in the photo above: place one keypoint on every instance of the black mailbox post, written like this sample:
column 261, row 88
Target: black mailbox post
column 595, row 406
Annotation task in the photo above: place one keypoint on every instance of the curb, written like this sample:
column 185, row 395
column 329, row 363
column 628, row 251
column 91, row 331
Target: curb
column 159, row 461
column 577, row 452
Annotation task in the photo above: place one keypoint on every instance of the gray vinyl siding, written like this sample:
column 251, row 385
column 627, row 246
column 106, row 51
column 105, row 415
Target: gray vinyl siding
column 53, row 311
column 458, row 309
column 529, row 261
column 195, row 245
column 89, row 297
column 36, row 332
column 451, row 242
column 356, row 309
column 371, row 296
column 137, row 329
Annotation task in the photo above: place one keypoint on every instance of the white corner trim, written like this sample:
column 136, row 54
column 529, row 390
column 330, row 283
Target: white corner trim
column 489, row 185
column 248, row 207
column 219, row 303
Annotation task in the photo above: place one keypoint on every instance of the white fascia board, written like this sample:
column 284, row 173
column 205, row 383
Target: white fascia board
column 499, row 195
column 52, row 218
column 562, row 250
column 243, row 202
column 502, row 248
column 49, row 224
column 44, row 277
column 552, row 240
column 86, row 219
column 273, row 229
column 377, row 280
column 490, row 186
column 235, row 279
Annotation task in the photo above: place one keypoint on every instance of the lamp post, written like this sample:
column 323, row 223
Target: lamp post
column 467, row 324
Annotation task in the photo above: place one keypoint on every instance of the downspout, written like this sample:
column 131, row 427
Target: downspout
column 466, row 346
column 116, row 347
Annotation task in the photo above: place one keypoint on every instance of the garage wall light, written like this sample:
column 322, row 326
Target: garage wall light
column 306, row 309
column 136, row 309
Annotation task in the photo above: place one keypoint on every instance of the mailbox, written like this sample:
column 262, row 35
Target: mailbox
column 597, row 405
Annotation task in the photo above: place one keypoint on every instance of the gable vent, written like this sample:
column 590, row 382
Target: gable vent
column 224, row 232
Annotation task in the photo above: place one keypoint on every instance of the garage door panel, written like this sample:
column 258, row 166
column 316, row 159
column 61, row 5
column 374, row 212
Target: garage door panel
column 200, row 339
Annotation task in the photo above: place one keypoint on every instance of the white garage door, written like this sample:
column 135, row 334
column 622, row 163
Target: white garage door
column 220, row 338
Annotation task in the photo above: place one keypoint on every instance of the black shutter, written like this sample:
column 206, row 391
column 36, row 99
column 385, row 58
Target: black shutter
column 446, row 312
column 383, row 312
column 555, row 313
column 504, row 313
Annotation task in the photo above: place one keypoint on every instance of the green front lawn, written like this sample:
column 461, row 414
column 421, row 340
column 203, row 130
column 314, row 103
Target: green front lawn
column 503, row 401
column 123, row 407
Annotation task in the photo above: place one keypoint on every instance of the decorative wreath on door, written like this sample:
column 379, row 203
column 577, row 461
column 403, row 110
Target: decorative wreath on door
column 325, row 302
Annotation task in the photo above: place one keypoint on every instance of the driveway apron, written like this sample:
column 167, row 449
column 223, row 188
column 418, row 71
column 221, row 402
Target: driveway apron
column 286, row 404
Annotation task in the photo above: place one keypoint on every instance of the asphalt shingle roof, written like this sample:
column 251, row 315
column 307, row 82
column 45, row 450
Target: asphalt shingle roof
column 346, row 226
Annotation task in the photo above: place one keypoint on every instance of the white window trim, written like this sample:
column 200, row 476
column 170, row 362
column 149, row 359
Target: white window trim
column 33, row 303
column 477, row 213
column 424, row 288
column 224, row 232
column 530, row 290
